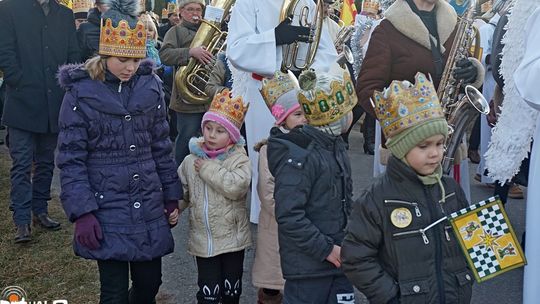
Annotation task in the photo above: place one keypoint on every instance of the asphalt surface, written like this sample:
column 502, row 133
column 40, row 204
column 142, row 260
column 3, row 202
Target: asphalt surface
column 180, row 272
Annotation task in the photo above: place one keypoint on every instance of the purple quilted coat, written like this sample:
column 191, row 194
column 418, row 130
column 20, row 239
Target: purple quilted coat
column 115, row 161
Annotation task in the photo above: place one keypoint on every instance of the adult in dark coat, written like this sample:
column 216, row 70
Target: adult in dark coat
column 88, row 33
column 36, row 36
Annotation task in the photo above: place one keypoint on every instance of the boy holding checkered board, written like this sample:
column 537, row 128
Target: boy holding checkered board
column 387, row 252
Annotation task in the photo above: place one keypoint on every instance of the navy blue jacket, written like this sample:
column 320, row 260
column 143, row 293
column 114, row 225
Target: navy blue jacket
column 32, row 47
column 114, row 156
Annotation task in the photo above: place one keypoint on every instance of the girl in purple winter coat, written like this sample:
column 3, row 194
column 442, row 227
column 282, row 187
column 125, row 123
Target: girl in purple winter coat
column 119, row 181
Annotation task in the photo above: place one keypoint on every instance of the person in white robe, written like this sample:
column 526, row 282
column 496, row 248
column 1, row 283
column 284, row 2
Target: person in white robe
column 486, row 38
column 526, row 81
column 253, row 54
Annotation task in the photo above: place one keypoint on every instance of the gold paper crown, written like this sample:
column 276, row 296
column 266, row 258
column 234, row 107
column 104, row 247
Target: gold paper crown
column 82, row 6
column 406, row 105
column 142, row 5
column 231, row 108
column 275, row 87
column 370, row 7
column 66, row 3
column 122, row 41
column 323, row 106
column 164, row 13
column 171, row 7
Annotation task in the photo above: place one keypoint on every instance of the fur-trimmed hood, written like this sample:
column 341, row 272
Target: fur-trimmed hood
column 195, row 148
column 69, row 74
column 409, row 24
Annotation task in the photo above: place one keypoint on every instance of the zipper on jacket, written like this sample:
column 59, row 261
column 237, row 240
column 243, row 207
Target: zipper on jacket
column 415, row 205
column 207, row 222
column 120, row 87
column 421, row 231
column 441, row 202
column 438, row 250
column 446, row 228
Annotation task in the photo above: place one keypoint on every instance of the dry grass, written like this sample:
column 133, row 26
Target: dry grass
column 45, row 268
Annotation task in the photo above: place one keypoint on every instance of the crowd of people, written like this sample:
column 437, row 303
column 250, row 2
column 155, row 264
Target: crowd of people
column 97, row 88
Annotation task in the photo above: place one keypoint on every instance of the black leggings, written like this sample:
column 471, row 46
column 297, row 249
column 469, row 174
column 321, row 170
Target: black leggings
column 114, row 279
column 220, row 278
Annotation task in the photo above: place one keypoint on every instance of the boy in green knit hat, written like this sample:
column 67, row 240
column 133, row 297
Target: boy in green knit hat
column 389, row 253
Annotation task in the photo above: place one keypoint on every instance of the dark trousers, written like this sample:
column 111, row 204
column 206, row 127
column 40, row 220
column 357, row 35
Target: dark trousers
column 220, row 278
column 188, row 125
column 114, row 279
column 357, row 113
column 30, row 153
column 326, row 290
column 474, row 139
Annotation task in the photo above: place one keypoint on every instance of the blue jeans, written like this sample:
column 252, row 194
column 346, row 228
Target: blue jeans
column 30, row 153
column 325, row 290
column 188, row 125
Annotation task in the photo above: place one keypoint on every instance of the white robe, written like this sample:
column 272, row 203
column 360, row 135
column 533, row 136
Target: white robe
column 486, row 39
column 526, row 80
column 251, row 48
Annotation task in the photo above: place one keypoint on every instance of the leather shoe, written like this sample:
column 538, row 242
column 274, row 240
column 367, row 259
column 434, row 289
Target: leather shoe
column 474, row 156
column 23, row 234
column 515, row 192
column 46, row 222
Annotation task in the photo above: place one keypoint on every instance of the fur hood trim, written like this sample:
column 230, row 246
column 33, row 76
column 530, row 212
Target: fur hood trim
column 68, row 74
column 409, row 24
column 195, row 148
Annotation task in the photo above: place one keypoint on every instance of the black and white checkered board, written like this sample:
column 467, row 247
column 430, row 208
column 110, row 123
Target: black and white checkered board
column 492, row 221
column 484, row 260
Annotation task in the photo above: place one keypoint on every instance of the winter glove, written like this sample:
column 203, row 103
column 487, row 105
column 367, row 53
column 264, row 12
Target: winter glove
column 170, row 206
column 88, row 231
column 286, row 33
column 465, row 71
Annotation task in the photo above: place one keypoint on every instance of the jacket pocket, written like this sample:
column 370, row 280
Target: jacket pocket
column 464, row 280
column 414, row 291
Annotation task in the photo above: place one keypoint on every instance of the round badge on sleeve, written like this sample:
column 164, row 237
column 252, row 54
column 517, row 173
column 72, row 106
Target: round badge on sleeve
column 401, row 217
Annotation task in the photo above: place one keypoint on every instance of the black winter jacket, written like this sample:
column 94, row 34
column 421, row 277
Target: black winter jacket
column 88, row 35
column 32, row 47
column 384, row 261
column 313, row 192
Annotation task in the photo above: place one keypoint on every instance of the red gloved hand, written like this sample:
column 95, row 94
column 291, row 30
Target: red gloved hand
column 88, row 231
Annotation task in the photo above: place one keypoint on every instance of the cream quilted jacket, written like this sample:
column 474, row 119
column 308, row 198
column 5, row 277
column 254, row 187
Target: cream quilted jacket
column 216, row 197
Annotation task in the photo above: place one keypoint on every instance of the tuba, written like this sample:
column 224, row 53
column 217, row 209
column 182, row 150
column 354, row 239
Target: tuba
column 291, row 54
column 192, row 78
column 459, row 112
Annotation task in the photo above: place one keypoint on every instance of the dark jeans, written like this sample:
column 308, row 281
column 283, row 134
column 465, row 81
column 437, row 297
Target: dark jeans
column 474, row 139
column 188, row 125
column 328, row 290
column 30, row 153
column 114, row 279
column 220, row 278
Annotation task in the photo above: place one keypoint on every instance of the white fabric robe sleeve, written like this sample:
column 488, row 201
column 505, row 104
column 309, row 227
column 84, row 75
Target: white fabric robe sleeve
column 248, row 49
column 527, row 75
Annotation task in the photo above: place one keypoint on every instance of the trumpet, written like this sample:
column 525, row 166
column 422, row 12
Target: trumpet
column 344, row 35
column 291, row 51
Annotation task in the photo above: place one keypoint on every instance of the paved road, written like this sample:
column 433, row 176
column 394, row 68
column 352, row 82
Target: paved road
column 180, row 273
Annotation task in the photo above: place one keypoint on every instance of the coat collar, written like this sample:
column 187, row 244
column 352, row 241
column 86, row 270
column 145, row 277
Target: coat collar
column 409, row 24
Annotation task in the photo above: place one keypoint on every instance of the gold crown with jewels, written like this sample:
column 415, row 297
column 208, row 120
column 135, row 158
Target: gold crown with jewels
column 329, row 99
column 82, row 6
column 273, row 88
column 370, row 7
column 233, row 109
column 403, row 105
column 122, row 41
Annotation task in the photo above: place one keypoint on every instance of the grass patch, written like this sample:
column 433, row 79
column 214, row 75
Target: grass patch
column 46, row 268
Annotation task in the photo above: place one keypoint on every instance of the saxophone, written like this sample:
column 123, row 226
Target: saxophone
column 192, row 78
column 460, row 112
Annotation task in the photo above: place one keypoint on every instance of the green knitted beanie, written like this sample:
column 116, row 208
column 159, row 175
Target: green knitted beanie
column 403, row 142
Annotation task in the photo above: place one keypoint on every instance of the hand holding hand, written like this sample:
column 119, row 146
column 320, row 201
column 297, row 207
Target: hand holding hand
column 171, row 212
column 286, row 33
column 200, row 53
column 88, row 231
column 335, row 256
